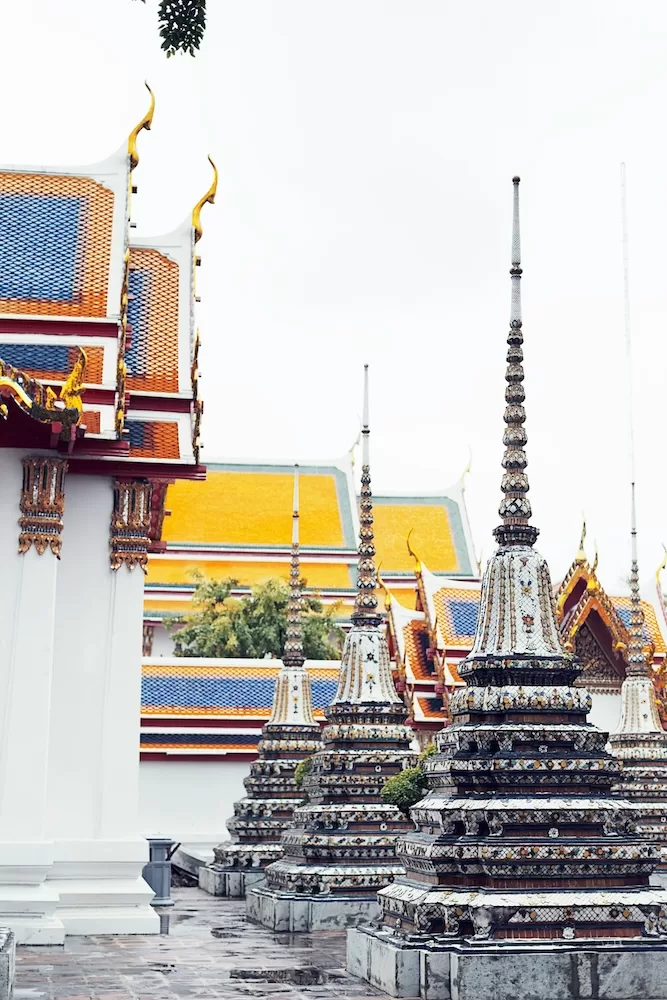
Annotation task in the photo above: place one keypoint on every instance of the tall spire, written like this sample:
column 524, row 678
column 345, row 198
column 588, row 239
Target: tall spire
column 636, row 655
column 366, row 603
column 515, row 506
column 293, row 651
column 637, row 664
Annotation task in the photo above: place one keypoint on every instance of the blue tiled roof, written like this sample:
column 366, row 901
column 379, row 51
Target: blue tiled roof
column 39, row 357
column 39, row 249
column 464, row 616
column 222, row 739
column 624, row 615
column 189, row 690
column 138, row 285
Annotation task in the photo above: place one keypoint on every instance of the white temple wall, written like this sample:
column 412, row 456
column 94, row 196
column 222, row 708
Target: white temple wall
column 81, row 640
column 93, row 796
column 163, row 643
column 27, row 620
column 606, row 712
column 190, row 800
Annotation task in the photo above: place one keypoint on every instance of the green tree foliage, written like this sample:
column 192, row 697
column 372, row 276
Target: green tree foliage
column 409, row 786
column 255, row 625
column 181, row 24
column 302, row 770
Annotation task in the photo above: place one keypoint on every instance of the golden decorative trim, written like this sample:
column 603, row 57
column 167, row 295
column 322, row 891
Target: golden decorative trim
column 73, row 389
column 42, row 504
column 209, row 198
column 145, row 123
column 130, row 524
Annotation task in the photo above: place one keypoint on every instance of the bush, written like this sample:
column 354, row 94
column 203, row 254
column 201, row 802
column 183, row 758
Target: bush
column 407, row 788
column 302, row 770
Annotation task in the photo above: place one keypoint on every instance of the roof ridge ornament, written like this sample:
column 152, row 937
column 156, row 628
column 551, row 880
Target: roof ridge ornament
column 515, row 509
column 366, row 603
column 581, row 557
column 145, row 123
column 293, row 650
column 209, row 198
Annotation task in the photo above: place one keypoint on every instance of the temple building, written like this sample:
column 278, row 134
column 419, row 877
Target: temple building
column 291, row 735
column 342, row 845
column 99, row 412
column 232, row 526
column 525, row 875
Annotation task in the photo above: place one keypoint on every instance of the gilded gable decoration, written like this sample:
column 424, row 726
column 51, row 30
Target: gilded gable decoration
column 130, row 524
column 42, row 504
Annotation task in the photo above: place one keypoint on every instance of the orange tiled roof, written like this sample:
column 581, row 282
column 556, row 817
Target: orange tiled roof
column 413, row 633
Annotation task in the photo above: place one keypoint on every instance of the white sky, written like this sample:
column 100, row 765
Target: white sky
column 365, row 150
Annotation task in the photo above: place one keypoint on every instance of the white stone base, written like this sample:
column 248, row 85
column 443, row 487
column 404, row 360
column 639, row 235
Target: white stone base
column 491, row 971
column 229, row 882
column 30, row 911
column 100, row 889
column 282, row 911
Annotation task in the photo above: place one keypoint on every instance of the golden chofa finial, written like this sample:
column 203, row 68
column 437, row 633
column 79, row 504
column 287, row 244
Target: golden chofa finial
column 418, row 565
column 145, row 123
column 662, row 566
column 594, row 567
column 387, row 594
column 581, row 552
column 208, row 197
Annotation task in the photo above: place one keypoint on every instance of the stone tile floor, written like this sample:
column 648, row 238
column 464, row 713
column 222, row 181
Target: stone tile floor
column 210, row 953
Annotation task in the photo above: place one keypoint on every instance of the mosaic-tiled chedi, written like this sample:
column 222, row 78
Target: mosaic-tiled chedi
column 640, row 741
column 290, row 736
column 342, row 847
column 520, row 835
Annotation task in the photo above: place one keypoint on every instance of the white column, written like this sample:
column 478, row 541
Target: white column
column 30, row 489
column 94, row 760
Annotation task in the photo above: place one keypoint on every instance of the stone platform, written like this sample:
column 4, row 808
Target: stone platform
column 7, row 963
column 493, row 971
column 211, row 953
column 283, row 911
column 232, row 883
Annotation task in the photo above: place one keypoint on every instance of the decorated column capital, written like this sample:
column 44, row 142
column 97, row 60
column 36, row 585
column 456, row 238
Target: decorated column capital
column 130, row 523
column 42, row 504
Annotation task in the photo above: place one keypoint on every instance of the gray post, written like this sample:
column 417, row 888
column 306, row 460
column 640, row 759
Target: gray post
column 158, row 870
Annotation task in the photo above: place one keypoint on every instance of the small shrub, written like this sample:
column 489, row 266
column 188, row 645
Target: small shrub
column 302, row 770
column 405, row 789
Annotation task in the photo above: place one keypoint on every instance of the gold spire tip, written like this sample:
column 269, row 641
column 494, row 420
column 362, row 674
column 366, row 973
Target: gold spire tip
column 209, row 198
column 145, row 123
column 581, row 552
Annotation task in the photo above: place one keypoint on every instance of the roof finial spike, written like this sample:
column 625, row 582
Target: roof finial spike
column 637, row 663
column 209, row 198
column 293, row 651
column 366, row 603
column 145, row 123
column 581, row 554
column 515, row 506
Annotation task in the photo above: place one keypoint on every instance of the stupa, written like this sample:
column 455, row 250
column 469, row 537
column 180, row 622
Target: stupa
column 525, row 877
column 341, row 849
column 290, row 736
column 640, row 742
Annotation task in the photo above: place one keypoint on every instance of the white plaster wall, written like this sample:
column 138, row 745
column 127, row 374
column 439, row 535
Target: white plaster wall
column 94, row 759
column 81, row 634
column 163, row 644
column 189, row 800
column 27, row 611
column 606, row 712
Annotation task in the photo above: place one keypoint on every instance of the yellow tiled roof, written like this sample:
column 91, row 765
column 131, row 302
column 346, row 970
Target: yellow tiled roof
column 318, row 575
column 250, row 507
column 431, row 536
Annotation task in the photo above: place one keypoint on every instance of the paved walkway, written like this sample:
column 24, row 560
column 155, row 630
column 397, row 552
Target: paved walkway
column 211, row 953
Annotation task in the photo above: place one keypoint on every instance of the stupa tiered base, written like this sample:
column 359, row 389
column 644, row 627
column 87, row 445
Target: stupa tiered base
column 491, row 970
column 300, row 911
column 233, row 883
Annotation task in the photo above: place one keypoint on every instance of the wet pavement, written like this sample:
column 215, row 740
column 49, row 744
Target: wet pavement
column 210, row 953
